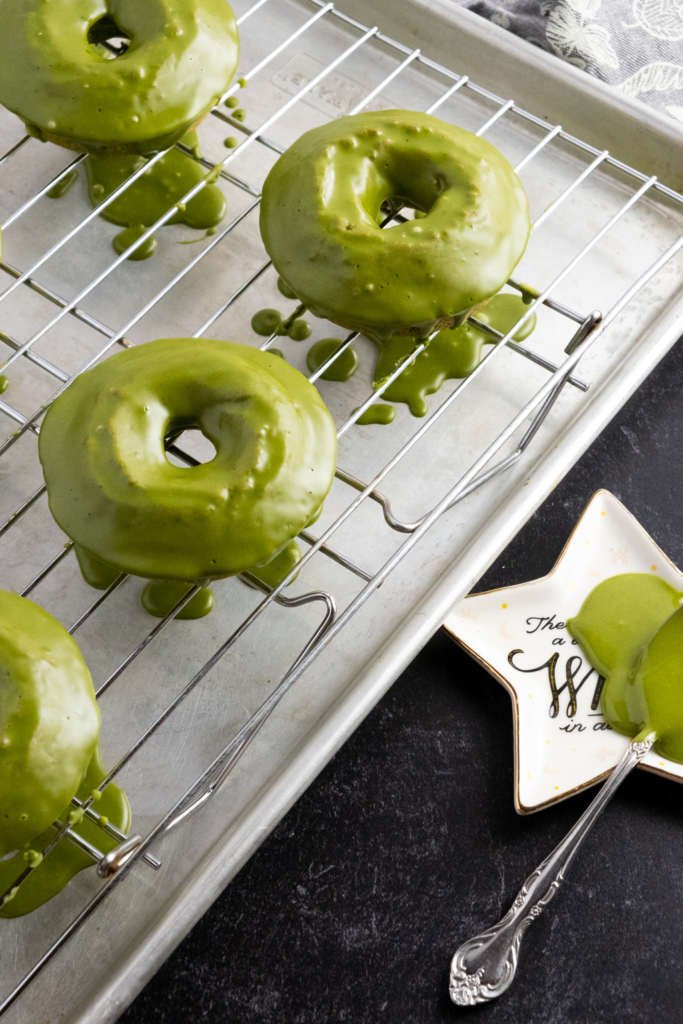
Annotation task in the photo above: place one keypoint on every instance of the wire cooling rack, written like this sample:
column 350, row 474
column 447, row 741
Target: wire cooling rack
column 66, row 302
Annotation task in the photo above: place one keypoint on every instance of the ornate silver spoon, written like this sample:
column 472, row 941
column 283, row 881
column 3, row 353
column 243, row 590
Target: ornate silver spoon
column 484, row 966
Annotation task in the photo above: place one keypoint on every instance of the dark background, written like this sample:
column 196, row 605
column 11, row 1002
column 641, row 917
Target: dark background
column 408, row 842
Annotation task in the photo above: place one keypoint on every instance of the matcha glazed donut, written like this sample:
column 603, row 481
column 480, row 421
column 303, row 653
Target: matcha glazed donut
column 49, row 720
column 113, row 490
column 56, row 74
column 325, row 197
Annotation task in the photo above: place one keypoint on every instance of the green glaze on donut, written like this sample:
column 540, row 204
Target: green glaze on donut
column 160, row 597
column 451, row 354
column 324, row 199
column 284, row 289
column 129, row 236
column 53, row 872
column 67, row 87
column 378, row 413
column 63, row 185
column 112, row 488
column 49, row 721
column 156, row 191
column 343, row 368
column 631, row 629
column 95, row 571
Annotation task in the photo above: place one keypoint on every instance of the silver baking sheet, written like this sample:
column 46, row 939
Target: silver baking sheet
column 116, row 947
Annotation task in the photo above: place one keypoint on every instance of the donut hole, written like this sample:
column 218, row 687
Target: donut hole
column 191, row 442
column 107, row 38
column 409, row 184
column 394, row 205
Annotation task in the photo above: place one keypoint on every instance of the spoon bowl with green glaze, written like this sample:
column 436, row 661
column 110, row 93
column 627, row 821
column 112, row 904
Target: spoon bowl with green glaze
column 631, row 629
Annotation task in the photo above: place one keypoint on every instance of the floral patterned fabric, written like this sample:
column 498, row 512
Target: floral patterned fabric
column 635, row 45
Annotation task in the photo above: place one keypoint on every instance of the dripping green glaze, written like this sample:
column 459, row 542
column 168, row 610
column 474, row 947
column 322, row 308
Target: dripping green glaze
column 377, row 413
column 298, row 329
column 49, row 732
column 453, row 353
column 631, row 629
column 158, row 189
column 4, row 384
column 266, row 322
column 230, row 142
column 53, row 872
column 528, row 293
column 160, row 597
column 284, row 289
column 48, row 717
column 343, row 368
column 61, row 187
column 129, row 236
column 94, row 570
column 279, row 567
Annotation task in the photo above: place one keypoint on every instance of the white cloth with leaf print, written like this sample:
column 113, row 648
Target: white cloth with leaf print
column 635, row 45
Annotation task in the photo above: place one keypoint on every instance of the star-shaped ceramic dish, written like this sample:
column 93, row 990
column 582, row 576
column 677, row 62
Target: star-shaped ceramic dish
column 562, row 744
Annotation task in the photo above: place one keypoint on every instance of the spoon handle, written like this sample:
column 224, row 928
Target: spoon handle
column 484, row 966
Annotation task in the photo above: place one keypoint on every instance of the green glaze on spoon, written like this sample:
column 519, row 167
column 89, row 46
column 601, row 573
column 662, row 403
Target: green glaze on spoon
column 66, row 860
column 631, row 629
column 451, row 354
column 61, row 187
column 377, row 413
column 129, row 236
column 155, row 191
column 278, row 568
column 343, row 368
column 160, row 597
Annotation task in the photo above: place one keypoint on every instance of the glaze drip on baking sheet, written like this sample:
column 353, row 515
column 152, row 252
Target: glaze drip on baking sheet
column 151, row 195
column 453, row 353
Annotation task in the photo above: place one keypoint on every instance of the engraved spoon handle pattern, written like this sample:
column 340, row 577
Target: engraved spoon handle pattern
column 485, row 965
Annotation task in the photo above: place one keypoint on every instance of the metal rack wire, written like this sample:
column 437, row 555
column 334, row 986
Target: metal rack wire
column 496, row 457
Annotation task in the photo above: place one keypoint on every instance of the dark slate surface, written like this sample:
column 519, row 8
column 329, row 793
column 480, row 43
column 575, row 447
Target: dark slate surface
column 408, row 842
